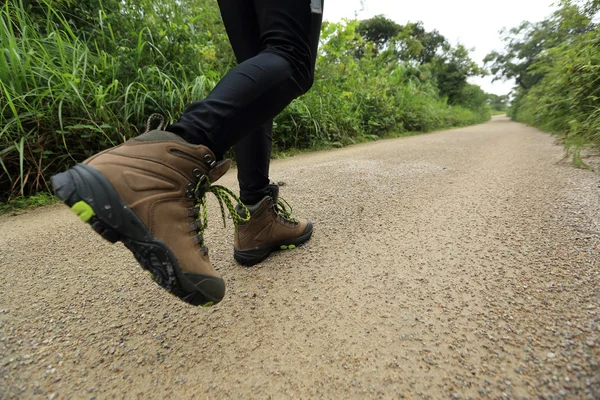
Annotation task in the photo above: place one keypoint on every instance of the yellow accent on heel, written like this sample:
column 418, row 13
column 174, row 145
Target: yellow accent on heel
column 83, row 210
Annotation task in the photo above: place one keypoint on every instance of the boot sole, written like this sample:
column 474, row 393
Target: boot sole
column 94, row 200
column 250, row 257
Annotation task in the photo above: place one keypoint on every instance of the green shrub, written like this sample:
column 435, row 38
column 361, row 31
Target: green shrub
column 74, row 82
column 567, row 99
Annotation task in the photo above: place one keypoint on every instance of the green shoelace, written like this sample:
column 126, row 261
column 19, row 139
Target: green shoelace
column 224, row 197
column 281, row 208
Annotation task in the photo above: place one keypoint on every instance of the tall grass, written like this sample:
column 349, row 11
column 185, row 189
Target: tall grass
column 567, row 100
column 66, row 94
column 61, row 99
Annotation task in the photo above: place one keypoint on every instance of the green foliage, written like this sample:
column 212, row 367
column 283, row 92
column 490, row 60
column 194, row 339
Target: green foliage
column 451, row 71
column 62, row 99
column 379, row 30
column 567, row 99
column 77, row 77
column 431, row 42
column 562, row 94
column 411, row 44
column 20, row 203
column 360, row 98
column 527, row 42
column 498, row 103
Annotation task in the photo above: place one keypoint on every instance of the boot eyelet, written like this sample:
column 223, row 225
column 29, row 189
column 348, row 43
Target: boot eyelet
column 197, row 173
column 201, row 179
column 208, row 159
column 199, row 239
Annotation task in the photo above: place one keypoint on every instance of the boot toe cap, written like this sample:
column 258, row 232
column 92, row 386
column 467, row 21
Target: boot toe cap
column 309, row 227
column 212, row 288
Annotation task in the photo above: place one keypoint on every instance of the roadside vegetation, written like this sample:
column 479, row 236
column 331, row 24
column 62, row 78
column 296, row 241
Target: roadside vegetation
column 556, row 64
column 77, row 77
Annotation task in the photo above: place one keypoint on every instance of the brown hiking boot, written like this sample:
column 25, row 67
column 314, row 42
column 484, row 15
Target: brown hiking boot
column 270, row 228
column 149, row 193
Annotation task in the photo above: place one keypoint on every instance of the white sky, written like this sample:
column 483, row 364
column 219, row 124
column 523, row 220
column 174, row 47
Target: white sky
column 474, row 23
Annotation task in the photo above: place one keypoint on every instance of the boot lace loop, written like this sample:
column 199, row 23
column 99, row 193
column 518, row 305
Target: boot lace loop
column 224, row 196
column 284, row 210
column 151, row 119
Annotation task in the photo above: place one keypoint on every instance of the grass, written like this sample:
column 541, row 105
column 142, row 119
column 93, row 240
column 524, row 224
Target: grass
column 566, row 101
column 63, row 99
column 65, row 95
column 21, row 203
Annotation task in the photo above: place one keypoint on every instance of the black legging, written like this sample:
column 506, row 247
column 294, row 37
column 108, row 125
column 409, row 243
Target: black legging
column 275, row 43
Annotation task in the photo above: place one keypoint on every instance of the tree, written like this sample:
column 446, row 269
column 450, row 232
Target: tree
column 379, row 30
column 451, row 70
column 431, row 42
column 556, row 64
column 496, row 102
column 527, row 42
column 410, row 42
column 449, row 66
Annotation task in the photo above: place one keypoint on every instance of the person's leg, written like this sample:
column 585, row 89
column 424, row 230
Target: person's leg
column 252, row 152
column 253, row 157
column 271, row 226
column 259, row 88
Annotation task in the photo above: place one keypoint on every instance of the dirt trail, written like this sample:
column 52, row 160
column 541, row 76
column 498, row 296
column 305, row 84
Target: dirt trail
column 460, row 264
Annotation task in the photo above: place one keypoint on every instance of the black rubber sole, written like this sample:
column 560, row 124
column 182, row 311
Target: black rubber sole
column 92, row 197
column 250, row 257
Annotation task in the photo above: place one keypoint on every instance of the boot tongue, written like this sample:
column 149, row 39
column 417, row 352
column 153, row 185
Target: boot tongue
column 252, row 209
column 219, row 170
column 274, row 188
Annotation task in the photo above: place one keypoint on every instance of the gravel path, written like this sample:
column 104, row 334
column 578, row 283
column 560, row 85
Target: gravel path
column 460, row 264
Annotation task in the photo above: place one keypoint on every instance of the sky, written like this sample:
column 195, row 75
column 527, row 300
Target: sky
column 474, row 23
